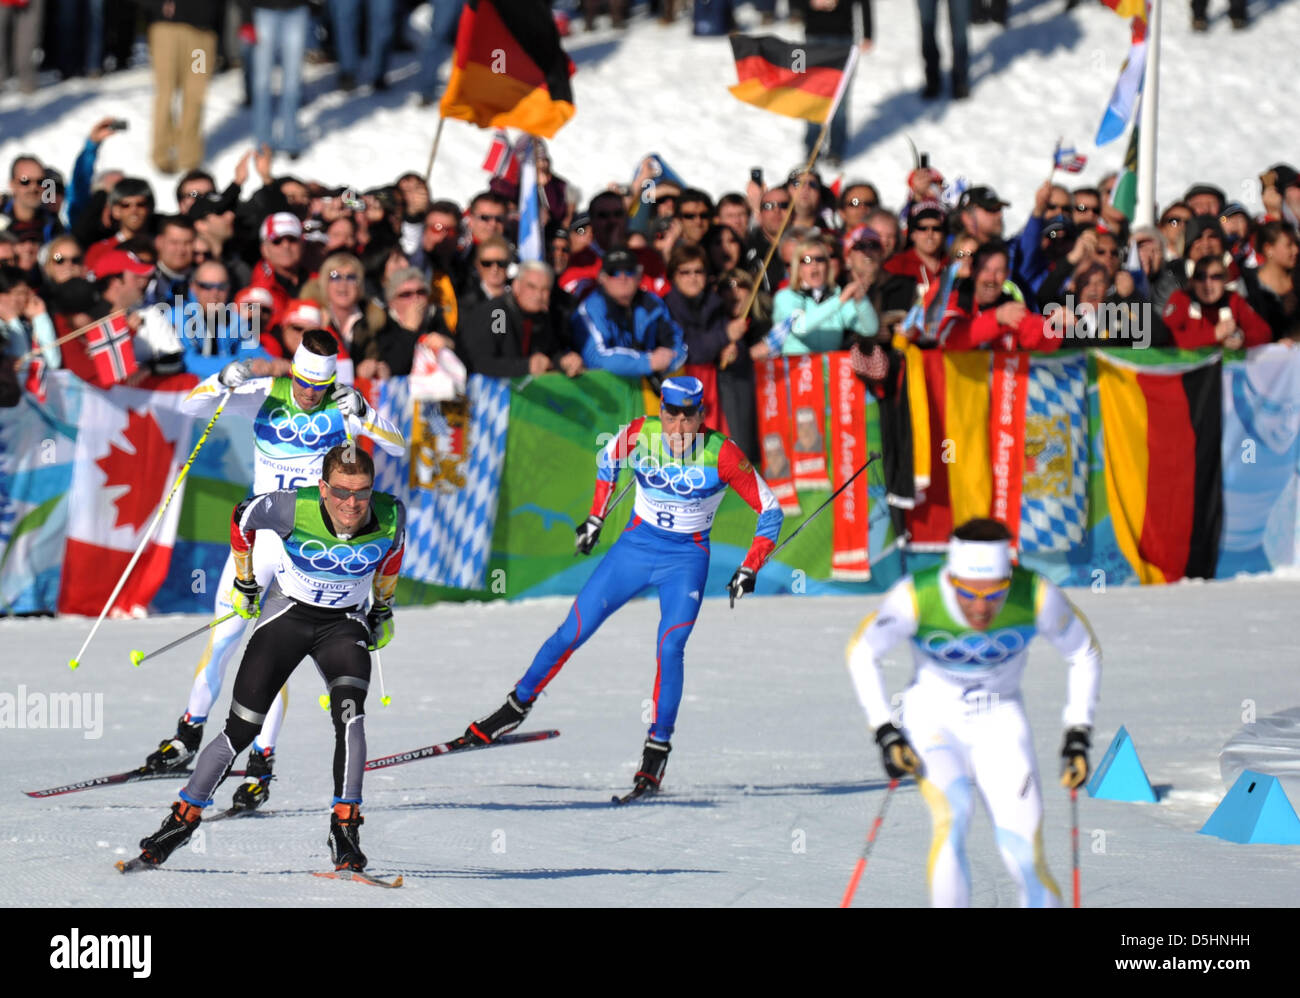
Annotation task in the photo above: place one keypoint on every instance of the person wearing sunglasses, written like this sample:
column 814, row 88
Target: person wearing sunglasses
column 820, row 315
column 623, row 329
column 518, row 333
column 682, row 470
column 62, row 260
column 987, row 310
column 925, row 256
column 333, row 546
column 695, row 212
column 1202, row 239
column 211, row 331
column 412, row 317
column 338, row 289
column 24, row 206
column 296, row 421
column 608, row 222
column 492, row 259
column 961, row 730
column 1209, row 314
column 130, row 208
column 280, row 268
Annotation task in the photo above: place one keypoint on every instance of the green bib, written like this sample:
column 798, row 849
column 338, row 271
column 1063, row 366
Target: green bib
column 957, row 645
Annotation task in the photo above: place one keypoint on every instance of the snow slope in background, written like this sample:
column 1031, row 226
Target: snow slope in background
column 1226, row 105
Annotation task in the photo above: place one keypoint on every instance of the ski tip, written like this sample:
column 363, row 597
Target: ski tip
column 73, row 663
column 385, row 700
column 120, row 866
column 324, row 701
column 137, row 657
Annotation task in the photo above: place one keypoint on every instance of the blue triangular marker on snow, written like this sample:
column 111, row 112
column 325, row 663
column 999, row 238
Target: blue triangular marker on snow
column 1256, row 809
column 1120, row 775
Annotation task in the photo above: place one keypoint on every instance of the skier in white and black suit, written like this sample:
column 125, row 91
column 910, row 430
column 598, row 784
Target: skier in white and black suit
column 296, row 420
column 963, row 725
column 342, row 543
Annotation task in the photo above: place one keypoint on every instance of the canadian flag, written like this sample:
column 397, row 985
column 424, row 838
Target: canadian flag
column 131, row 444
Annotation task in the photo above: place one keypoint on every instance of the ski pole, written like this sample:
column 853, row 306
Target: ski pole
column 75, row 661
column 1074, row 839
column 871, row 458
column 617, row 499
column 384, row 698
column 138, row 657
column 866, row 849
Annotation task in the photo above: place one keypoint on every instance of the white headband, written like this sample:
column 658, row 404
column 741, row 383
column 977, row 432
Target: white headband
column 312, row 367
column 979, row 559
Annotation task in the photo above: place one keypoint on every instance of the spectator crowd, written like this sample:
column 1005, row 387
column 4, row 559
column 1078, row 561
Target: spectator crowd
column 640, row 280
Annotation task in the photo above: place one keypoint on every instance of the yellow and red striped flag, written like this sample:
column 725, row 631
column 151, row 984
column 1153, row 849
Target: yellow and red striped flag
column 509, row 70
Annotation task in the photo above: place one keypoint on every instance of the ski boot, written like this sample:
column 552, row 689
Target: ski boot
column 654, row 760
column 256, row 788
column 176, row 830
column 175, row 752
column 345, row 837
column 488, row 729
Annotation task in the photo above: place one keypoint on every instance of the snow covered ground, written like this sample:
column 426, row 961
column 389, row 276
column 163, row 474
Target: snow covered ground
column 773, row 778
column 770, row 788
column 1224, row 103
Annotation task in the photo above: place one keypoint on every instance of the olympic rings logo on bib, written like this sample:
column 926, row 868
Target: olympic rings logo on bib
column 341, row 557
column 973, row 649
column 679, row 479
column 307, row 429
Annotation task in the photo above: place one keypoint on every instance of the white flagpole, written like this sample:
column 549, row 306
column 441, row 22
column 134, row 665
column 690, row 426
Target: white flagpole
column 1146, row 211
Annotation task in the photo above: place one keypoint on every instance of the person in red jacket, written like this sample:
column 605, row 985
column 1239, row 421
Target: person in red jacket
column 1211, row 315
column 987, row 310
column 925, row 256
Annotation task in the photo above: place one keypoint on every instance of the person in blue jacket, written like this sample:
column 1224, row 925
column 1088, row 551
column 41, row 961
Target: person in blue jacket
column 210, row 329
column 625, row 330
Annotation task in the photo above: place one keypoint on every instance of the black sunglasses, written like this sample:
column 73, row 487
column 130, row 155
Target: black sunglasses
column 361, row 495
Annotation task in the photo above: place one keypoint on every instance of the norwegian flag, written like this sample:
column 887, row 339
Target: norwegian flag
column 109, row 345
column 1069, row 160
column 35, row 382
column 500, row 160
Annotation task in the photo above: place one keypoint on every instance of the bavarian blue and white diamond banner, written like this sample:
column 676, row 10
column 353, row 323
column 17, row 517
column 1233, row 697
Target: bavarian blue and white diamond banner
column 1054, row 495
column 450, row 478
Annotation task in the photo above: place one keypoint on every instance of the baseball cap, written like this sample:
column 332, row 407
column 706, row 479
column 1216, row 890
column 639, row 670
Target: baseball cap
column 924, row 209
column 682, row 393
column 1233, row 208
column 116, row 261
column 302, row 312
column 981, row 197
column 208, row 204
column 620, row 261
column 1058, row 226
column 581, row 220
column 282, row 223
column 865, row 238
column 255, row 295
column 1210, row 189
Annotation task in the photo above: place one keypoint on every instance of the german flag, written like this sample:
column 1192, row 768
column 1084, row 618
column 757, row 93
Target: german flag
column 796, row 80
column 1161, row 429
column 954, row 419
column 509, row 70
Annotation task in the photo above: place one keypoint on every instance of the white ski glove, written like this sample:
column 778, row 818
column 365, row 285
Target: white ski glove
column 351, row 402
column 235, row 373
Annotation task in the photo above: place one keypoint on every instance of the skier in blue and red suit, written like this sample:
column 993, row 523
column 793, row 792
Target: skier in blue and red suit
column 683, row 470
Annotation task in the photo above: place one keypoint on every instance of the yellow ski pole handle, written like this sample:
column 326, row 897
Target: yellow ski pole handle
column 75, row 661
